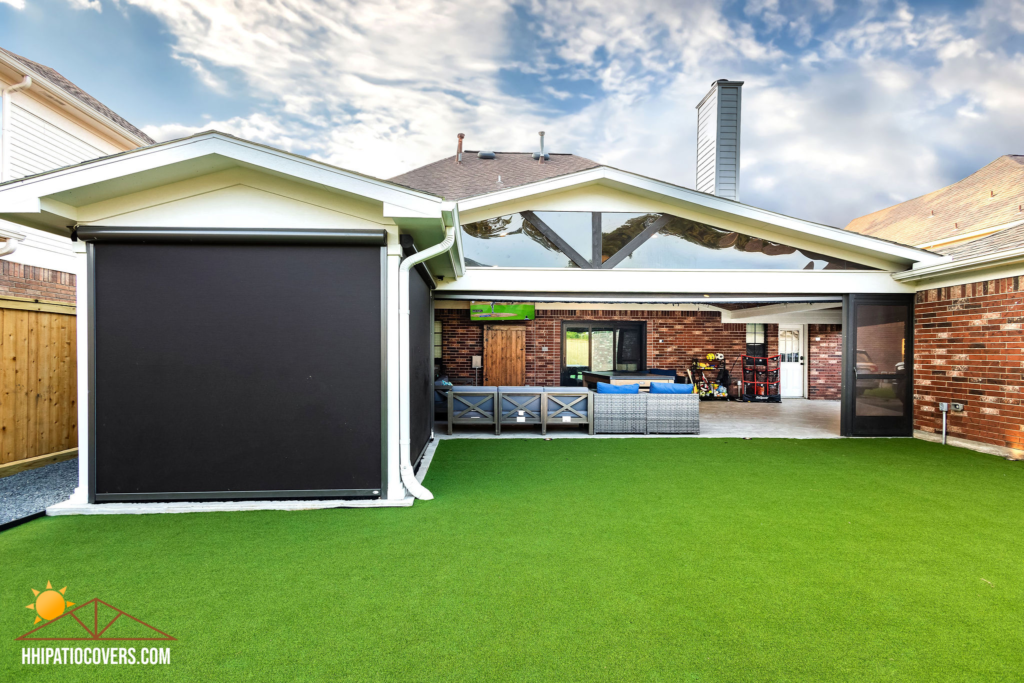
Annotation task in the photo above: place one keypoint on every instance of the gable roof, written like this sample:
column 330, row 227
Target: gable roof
column 54, row 78
column 475, row 176
column 988, row 198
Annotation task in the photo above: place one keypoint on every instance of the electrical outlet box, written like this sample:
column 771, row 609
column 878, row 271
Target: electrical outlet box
column 943, row 407
column 958, row 407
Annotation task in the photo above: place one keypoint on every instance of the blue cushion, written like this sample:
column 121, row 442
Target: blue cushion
column 656, row 371
column 605, row 388
column 667, row 388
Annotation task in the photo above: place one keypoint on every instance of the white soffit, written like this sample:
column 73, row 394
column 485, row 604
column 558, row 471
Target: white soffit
column 709, row 205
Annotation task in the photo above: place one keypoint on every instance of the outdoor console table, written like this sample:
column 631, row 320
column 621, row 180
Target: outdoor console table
column 644, row 379
column 567, row 405
column 520, row 405
column 473, row 406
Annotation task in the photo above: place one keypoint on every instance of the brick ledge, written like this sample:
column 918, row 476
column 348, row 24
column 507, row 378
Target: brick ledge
column 1001, row 451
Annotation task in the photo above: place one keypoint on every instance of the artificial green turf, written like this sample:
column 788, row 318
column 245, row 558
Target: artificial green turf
column 576, row 559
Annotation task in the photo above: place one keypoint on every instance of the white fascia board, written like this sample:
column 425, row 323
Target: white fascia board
column 243, row 152
column 950, row 267
column 625, row 281
column 706, row 203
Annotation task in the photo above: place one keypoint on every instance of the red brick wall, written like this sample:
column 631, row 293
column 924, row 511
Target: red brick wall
column 30, row 282
column 674, row 339
column 824, row 361
column 969, row 348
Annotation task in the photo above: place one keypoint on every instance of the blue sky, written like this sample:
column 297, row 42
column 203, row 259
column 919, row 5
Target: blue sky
column 848, row 106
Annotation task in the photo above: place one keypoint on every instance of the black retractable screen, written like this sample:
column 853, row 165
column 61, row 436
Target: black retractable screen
column 237, row 370
column 421, row 369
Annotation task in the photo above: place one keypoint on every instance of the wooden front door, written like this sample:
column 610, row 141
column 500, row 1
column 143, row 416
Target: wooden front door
column 504, row 356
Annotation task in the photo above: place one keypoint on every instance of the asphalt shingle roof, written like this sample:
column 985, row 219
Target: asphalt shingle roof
column 70, row 88
column 474, row 176
column 987, row 198
column 1002, row 241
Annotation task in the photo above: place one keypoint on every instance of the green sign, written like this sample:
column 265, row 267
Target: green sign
column 483, row 311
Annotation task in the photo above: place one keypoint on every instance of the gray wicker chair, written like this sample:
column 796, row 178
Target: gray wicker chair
column 646, row 414
column 620, row 413
column 673, row 414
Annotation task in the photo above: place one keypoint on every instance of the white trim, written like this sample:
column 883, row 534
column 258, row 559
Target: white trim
column 18, row 196
column 703, row 202
column 71, row 507
column 948, row 267
column 674, row 282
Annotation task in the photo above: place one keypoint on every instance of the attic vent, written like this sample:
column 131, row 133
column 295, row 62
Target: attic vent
column 485, row 155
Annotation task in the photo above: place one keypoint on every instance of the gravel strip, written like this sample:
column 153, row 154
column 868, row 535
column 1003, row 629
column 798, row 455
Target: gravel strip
column 27, row 492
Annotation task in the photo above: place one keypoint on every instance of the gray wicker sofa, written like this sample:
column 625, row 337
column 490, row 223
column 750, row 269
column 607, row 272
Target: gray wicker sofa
column 646, row 414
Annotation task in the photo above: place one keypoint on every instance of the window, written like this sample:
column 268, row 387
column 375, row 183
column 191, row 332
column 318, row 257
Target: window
column 619, row 229
column 756, row 345
column 618, row 345
column 575, row 227
column 511, row 242
column 690, row 245
column 437, row 340
column 583, row 239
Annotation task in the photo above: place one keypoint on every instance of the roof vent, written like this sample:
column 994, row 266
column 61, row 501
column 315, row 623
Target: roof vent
column 485, row 155
column 458, row 150
column 541, row 156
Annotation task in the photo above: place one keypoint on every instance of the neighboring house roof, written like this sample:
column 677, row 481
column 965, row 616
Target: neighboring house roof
column 475, row 176
column 45, row 72
column 988, row 198
column 1001, row 242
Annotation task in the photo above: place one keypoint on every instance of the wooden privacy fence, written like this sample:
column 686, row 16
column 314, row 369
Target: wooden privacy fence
column 38, row 380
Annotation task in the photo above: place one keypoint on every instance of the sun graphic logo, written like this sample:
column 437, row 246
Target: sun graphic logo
column 49, row 603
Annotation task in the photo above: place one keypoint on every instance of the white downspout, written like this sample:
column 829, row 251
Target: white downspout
column 5, row 141
column 404, row 418
column 9, row 246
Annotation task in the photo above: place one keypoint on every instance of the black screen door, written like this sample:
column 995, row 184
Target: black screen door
column 878, row 366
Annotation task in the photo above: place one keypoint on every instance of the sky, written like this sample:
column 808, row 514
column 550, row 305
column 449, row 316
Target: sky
column 848, row 107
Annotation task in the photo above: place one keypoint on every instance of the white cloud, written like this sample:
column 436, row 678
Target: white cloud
column 16, row 4
column 889, row 105
column 86, row 4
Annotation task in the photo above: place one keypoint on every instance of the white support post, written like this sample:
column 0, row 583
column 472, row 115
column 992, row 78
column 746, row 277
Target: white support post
column 393, row 486
column 81, row 494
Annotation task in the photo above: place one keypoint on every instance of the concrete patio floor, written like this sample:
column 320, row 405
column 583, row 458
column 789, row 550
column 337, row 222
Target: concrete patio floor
column 794, row 418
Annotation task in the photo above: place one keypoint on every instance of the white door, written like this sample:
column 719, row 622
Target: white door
column 791, row 379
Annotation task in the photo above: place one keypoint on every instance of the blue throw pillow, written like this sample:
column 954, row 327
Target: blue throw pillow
column 668, row 388
column 605, row 388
